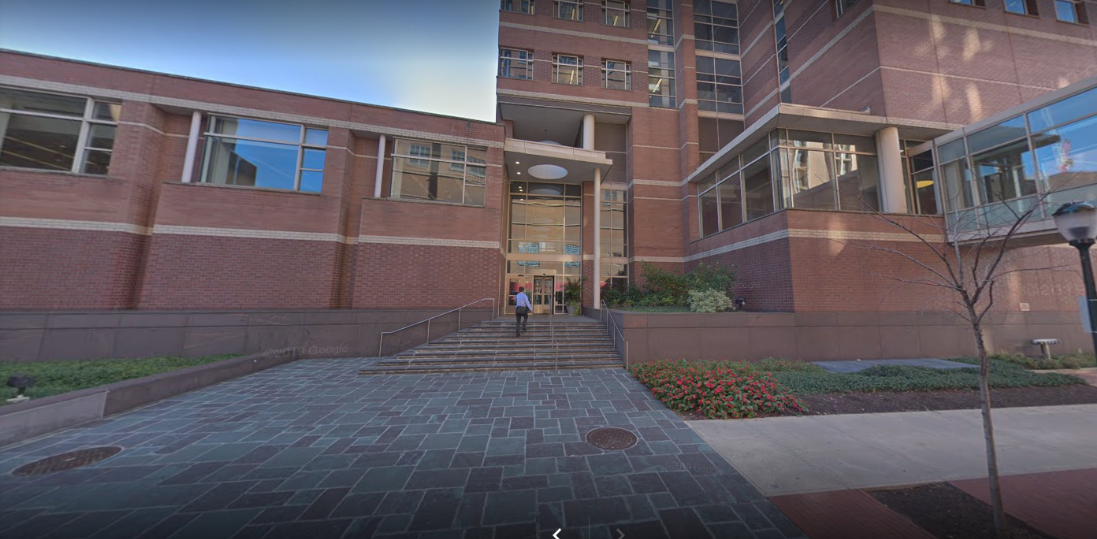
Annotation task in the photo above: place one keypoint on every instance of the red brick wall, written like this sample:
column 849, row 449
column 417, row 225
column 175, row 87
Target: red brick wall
column 67, row 269
column 407, row 276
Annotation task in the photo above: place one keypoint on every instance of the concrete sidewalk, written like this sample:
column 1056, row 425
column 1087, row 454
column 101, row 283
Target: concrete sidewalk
column 790, row 455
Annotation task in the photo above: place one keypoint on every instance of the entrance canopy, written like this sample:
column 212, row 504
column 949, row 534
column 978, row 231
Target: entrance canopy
column 540, row 161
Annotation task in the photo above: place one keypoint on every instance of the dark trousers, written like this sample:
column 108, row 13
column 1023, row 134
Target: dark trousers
column 520, row 323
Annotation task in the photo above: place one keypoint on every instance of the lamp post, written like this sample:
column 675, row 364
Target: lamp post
column 1077, row 222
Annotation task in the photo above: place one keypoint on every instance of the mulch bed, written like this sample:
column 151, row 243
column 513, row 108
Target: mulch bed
column 913, row 401
column 950, row 513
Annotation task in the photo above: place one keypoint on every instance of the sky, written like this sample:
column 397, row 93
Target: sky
column 434, row 56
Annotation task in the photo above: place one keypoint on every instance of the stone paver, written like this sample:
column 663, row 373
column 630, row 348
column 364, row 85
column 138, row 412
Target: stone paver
column 792, row 455
column 311, row 449
column 858, row 365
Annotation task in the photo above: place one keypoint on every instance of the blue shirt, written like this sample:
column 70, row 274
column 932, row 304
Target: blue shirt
column 522, row 300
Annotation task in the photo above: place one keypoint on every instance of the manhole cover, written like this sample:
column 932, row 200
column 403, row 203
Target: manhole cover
column 611, row 438
column 67, row 461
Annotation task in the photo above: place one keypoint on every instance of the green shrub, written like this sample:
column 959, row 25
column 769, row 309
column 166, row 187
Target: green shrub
column 908, row 378
column 709, row 301
column 55, row 377
column 715, row 391
column 664, row 288
column 1073, row 361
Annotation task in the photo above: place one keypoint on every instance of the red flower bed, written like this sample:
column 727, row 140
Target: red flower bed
column 714, row 391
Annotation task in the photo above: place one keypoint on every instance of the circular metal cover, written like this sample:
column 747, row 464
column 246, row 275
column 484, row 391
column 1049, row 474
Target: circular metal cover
column 67, row 461
column 611, row 438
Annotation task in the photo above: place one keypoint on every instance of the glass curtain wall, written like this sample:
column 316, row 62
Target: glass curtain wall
column 993, row 176
column 614, row 263
column 545, row 238
column 438, row 172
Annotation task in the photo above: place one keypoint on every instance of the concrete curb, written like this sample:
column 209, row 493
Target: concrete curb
column 25, row 420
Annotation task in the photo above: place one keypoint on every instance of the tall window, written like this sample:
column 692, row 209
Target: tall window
column 1071, row 11
column 571, row 10
column 546, row 218
column 616, row 75
column 567, row 69
column 715, row 26
column 828, row 172
column 264, row 154
column 1022, row 7
column 781, row 37
column 518, row 6
column 614, row 263
column 661, row 79
column 660, row 22
column 435, row 171
column 615, row 14
column 56, row 132
column 719, row 85
column 922, row 184
column 842, row 6
column 516, row 64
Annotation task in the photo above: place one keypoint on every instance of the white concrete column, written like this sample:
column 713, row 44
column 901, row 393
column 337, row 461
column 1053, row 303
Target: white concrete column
column 597, row 238
column 893, row 197
column 588, row 132
column 192, row 147
column 380, row 176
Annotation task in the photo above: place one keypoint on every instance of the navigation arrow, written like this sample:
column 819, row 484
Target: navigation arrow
column 622, row 534
column 557, row 534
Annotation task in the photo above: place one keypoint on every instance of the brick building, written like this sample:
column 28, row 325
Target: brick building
column 758, row 133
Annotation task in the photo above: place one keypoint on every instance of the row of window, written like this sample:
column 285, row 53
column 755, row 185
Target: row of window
column 791, row 169
column 1073, row 11
column 566, row 69
column 613, row 13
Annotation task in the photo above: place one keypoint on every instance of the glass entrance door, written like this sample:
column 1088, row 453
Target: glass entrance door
column 543, row 294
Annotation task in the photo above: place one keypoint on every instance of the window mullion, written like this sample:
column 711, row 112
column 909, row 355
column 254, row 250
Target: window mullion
column 82, row 139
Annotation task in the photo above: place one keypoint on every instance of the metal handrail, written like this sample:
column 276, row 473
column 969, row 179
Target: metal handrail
column 380, row 345
column 605, row 309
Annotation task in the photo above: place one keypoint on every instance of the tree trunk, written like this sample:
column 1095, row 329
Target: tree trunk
column 988, row 433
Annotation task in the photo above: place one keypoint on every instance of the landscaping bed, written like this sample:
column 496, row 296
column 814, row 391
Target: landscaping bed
column 57, row 377
column 950, row 513
column 725, row 389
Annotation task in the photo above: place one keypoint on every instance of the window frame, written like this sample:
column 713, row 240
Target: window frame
column 709, row 20
column 1079, row 9
column 969, row 3
column 531, row 3
column 424, row 161
column 661, row 17
column 209, row 135
column 1031, row 9
column 718, row 82
column 577, row 4
column 557, row 65
column 87, row 120
column 841, row 7
column 625, row 11
column 528, row 61
column 666, row 75
column 627, row 71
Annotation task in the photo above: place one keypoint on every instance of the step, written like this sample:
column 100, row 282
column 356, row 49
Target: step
column 485, row 367
column 497, row 361
column 528, row 356
column 508, row 353
column 514, row 344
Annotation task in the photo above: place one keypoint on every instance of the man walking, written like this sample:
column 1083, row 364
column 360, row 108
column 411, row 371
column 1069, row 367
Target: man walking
column 522, row 309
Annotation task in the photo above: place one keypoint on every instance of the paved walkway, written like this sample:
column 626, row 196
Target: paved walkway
column 313, row 450
column 790, row 455
column 858, row 365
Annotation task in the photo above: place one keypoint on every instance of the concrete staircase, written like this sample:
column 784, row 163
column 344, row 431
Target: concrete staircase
column 572, row 343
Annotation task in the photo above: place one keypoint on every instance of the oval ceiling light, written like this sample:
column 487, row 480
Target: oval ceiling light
column 548, row 172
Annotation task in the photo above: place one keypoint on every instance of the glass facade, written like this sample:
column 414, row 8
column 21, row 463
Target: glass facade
column 56, row 132
column 994, row 175
column 614, row 241
column 661, row 79
column 716, row 26
column 660, row 22
column 791, row 169
column 438, row 172
column 257, row 153
column 719, row 85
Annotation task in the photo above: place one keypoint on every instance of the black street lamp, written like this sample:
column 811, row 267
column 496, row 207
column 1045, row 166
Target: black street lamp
column 1077, row 222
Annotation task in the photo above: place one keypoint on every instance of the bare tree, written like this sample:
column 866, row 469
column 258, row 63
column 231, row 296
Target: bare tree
column 966, row 260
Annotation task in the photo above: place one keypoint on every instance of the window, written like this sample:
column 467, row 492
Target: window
column 715, row 133
column 719, row 85
column 1021, row 7
column 660, row 22
column 842, row 6
column 781, row 39
column 518, row 6
column 571, row 10
column 516, row 64
column 1071, row 11
column 829, row 172
column 547, row 218
column 264, row 154
column 56, row 132
column 616, row 75
column 567, row 69
column 614, row 243
column 661, row 79
column 922, row 184
column 615, row 14
column 435, row 171
column 715, row 26
column 978, row 3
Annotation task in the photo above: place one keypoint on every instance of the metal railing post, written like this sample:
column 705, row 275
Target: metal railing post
column 459, row 318
column 428, row 330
